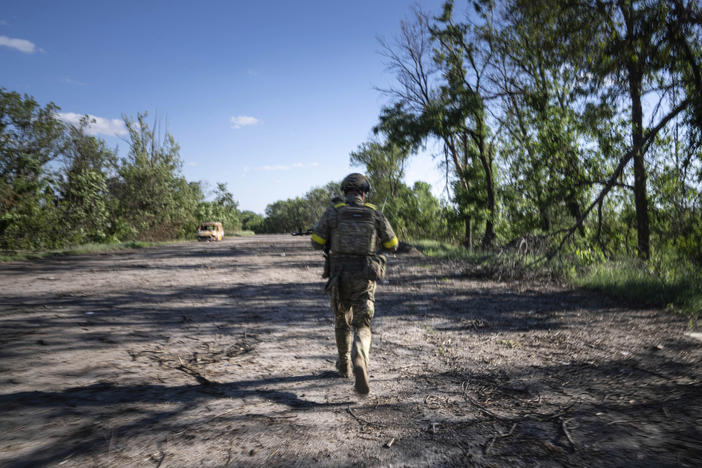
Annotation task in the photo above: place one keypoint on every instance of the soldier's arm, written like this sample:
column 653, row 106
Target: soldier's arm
column 387, row 235
column 320, row 231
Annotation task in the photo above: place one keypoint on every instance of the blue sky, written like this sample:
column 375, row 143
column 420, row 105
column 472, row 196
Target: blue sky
column 269, row 97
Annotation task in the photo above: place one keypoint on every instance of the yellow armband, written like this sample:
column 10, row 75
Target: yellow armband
column 318, row 239
column 391, row 243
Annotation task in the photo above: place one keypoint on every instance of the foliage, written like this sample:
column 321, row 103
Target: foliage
column 665, row 281
column 572, row 126
column 31, row 138
column 415, row 212
column 223, row 209
column 446, row 99
column 384, row 167
column 301, row 213
column 154, row 201
column 251, row 221
column 82, row 185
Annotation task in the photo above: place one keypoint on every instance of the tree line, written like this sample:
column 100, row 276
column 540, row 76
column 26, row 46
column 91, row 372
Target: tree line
column 577, row 122
column 60, row 186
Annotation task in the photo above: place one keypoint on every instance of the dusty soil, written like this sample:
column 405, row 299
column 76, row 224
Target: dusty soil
column 218, row 354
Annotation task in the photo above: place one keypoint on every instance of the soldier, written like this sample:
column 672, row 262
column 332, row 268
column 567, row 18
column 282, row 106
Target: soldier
column 354, row 231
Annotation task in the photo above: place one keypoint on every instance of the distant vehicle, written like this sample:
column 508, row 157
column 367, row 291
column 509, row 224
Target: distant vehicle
column 210, row 231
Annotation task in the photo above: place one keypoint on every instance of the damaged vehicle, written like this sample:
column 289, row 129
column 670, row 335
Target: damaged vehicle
column 210, row 231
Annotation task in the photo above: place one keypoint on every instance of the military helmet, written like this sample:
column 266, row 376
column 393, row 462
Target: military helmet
column 355, row 183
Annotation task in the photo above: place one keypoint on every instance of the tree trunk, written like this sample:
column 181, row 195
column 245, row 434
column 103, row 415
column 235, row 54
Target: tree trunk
column 640, row 193
column 489, row 236
column 468, row 240
column 486, row 161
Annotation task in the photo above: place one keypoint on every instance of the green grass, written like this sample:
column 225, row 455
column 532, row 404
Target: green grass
column 6, row 256
column 95, row 248
column 665, row 281
column 433, row 248
column 486, row 263
column 672, row 284
column 239, row 234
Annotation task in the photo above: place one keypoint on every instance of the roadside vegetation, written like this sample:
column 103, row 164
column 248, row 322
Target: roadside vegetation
column 92, row 248
column 664, row 282
column 570, row 136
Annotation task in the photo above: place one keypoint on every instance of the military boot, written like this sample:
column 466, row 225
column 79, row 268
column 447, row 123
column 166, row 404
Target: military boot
column 344, row 338
column 360, row 372
column 343, row 366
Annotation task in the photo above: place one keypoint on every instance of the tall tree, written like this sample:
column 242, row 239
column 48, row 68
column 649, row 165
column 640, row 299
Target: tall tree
column 543, row 114
column 636, row 51
column 85, row 199
column 30, row 138
column 440, row 68
column 155, row 200
column 384, row 166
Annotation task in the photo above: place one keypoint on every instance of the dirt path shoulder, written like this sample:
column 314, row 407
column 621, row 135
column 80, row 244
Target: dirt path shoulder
column 222, row 354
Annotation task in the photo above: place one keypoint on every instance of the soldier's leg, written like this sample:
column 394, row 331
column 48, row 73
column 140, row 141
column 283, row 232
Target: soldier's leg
column 363, row 311
column 362, row 330
column 343, row 334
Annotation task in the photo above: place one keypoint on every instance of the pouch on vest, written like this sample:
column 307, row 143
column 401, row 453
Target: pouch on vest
column 375, row 267
column 355, row 232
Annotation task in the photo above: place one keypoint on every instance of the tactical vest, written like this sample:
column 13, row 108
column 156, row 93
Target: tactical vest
column 355, row 232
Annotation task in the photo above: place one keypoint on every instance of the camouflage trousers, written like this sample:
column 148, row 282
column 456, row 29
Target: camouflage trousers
column 352, row 302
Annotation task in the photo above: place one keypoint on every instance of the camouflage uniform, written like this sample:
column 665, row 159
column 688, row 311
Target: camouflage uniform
column 352, row 294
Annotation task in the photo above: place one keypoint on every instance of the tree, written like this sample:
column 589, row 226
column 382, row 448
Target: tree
column 633, row 49
column 251, row 221
column 446, row 98
column 154, row 201
column 30, row 138
column 548, row 171
column 84, row 197
column 301, row 213
column 415, row 213
column 384, row 166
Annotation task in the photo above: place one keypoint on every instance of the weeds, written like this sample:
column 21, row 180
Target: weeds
column 13, row 255
column 670, row 283
column 241, row 234
column 94, row 248
column 666, row 281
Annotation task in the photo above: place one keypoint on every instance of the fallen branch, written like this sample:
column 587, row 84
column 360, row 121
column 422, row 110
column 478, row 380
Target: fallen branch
column 557, row 415
column 360, row 421
column 567, row 434
column 499, row 436
column 481, row 407
column 429, row 398
column 645, row 144
column 201, row 379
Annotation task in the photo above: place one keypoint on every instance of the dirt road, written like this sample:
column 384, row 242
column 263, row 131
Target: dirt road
column 218, row 354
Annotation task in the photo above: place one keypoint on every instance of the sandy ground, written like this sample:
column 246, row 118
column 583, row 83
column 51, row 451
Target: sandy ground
column 222, row 354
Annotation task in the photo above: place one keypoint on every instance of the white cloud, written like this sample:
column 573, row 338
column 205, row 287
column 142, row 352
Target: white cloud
column 286, row 167
column 71, row 81
column 22, row 45
column 98, row 125
column 243, row 121
column 191, row 164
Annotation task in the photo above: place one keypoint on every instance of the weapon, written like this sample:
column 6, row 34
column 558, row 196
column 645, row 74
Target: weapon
column 327, row 265
column 302, row 233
